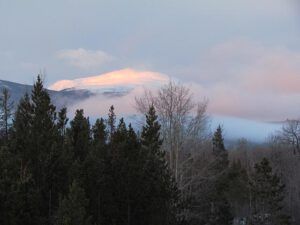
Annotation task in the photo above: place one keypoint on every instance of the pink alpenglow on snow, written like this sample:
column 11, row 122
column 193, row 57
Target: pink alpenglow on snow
column 125, row 77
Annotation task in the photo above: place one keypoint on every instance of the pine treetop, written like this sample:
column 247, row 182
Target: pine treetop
column 218, row 140
column 99, row 131
column 151, row 131
column 111, row 121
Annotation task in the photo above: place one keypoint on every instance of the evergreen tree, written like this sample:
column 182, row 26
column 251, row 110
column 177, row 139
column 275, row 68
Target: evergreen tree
column 44, row 130
column 94, row 181
column 8, row 184
column 44, row 118
column 33, row 138
column 126, row 183
column 120, row 170
column 95, row 178
column 268, row 196
column 218, row 140
column 26, row 198
column 27, row 201
column 22, row 131
column 72, row 209
column 117, row 177
column 22, row 139
column 219, row 152
column 136, row 185
column 219, row 209
column 64, row 158
column 18, row 199
column 111, row 122
column 62, row 123
column 160, row 192
column 237, row 191
column 150, row 137
column 120, row 135
column 132, row 139
column 208, row 203
column 35, row 143
column 45, row 148
column 6, row 108
column 113, row 181
column 99, row 132
column 79, row 135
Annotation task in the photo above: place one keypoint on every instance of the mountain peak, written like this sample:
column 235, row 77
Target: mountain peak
column 125, row 78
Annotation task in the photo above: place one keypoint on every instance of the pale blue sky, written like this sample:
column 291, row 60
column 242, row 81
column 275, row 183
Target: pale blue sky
column 210, row 42
column 160, row 35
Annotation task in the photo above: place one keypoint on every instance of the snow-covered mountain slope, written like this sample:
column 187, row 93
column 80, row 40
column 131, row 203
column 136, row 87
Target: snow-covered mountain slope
column 117, row 81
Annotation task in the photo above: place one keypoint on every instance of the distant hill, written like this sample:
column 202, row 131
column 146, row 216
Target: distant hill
column 101, row 88
column 61, row 98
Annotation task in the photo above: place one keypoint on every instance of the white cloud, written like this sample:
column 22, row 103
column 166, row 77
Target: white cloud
column 246, row 79
column 98, row 105
column 241, row 78
column 85, row 59
column 134, row 81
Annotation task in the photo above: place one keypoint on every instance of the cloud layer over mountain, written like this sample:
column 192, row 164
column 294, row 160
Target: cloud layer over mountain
column 121, row 78
column 241, row 78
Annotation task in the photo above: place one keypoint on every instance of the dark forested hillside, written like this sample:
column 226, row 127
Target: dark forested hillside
column 61, row 171
column 60, row 98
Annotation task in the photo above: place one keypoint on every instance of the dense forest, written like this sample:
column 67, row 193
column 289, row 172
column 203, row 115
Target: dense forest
column 171, row 170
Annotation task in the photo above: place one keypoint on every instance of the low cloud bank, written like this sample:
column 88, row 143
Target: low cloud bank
column 241, row 78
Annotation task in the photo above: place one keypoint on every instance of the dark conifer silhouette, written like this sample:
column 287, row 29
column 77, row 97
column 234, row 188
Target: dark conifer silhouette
column 268, row 195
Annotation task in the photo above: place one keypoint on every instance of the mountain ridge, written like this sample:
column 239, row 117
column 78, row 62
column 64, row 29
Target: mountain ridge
column 60, row 98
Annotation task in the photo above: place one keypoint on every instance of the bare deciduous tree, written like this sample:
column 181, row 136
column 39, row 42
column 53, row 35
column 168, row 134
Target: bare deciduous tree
column 183, row 120
column 290, row 135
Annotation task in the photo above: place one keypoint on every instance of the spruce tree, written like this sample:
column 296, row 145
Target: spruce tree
column 72, row 209
column 44, row 130
column 132, row 174
column 64, row 157
column 111, row 122
column 62, row 123
column 79, row 141
column 237, row 191
column 6, row 112
column 26, row 198
column 218, row 140
column 22, row 131
column 150, row 137
column 95, row 178
column 34, row 141
column 99, row 132
column 218, row 210
column 268, row 195
column 120, row 135
column 44, row 118
column 219, row 152
column 45, row 147
column 79, row 135
column 160, row 192
column 116, row 179
column 9, row 172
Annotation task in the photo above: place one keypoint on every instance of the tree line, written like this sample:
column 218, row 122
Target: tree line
column 171, row 171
